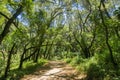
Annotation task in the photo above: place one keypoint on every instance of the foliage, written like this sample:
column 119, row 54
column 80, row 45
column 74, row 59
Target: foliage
column 86, row 33
column 96, row 67
column 29, row 67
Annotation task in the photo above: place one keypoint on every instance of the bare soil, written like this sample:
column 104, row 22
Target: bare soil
column 55, row 70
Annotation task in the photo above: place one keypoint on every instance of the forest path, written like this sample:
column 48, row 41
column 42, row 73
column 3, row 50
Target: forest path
column 55, row 70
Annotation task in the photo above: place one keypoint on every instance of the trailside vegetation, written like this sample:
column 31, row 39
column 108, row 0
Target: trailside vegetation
column 84, row 33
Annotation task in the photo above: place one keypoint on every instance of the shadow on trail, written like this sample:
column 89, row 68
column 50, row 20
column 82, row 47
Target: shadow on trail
column 53, row 70
column 17, row 74
column 57, row 70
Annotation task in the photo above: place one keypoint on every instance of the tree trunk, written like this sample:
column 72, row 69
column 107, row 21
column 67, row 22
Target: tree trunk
column 37, row 55
column 107, row 38
column 8, row 24
column 21, row 59
column 8, row 62
column 84, row 48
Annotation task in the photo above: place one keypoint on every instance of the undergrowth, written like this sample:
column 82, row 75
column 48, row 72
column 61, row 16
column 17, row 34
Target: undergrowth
column 28, row 68
column 97, row 67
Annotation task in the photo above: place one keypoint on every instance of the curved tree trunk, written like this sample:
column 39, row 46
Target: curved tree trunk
column 8, row 24
column 107, row 37
column 9, row 61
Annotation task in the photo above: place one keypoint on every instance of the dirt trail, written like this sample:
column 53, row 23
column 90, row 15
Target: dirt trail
column 55, row 70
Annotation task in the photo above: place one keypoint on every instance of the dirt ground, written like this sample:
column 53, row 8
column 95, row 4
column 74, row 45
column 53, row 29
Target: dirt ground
column 55, row 70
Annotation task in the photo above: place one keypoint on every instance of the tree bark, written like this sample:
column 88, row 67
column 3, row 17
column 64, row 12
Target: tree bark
column 8, row 62
column 107, row 37
column 8, row 24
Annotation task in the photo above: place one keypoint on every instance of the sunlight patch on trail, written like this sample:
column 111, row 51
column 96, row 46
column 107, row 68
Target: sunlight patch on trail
column 50, row 73
column 53, row 71
column 58, row 70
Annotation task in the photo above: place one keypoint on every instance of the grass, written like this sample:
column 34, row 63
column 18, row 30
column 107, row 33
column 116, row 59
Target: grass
column 96, row 67
column 28, row 68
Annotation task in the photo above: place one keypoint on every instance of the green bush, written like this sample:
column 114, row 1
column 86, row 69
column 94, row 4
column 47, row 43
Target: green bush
column 68, row 60
column 76, row 60
column 95, row 72
column 85, row 64
column 28, row 68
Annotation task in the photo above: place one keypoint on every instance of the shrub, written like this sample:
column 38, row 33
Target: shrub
column 76, row 60
column 68, row 60
column 95, row 72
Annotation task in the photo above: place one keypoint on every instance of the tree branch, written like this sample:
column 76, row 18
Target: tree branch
column 8, row 24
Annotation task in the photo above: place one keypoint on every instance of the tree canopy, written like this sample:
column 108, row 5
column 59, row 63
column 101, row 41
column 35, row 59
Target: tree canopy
column 78, row 31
